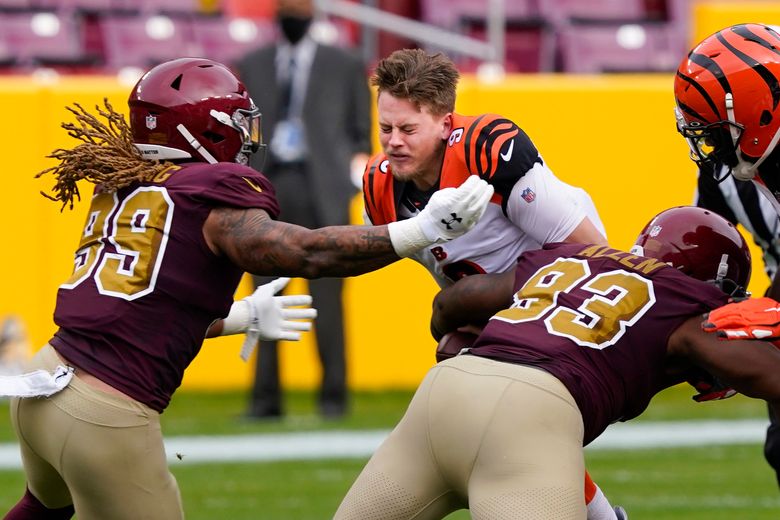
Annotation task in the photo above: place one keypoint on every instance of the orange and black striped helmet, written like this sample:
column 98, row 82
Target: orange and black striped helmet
column 728, row 97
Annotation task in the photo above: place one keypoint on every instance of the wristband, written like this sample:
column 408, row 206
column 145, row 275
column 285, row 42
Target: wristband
column 237, row 320
column 407, row 237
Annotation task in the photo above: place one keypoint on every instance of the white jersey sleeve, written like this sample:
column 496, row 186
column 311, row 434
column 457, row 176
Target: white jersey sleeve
column 548, row 209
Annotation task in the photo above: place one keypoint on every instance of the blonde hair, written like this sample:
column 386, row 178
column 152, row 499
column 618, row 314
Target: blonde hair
column 427, row 80
column 106, row 156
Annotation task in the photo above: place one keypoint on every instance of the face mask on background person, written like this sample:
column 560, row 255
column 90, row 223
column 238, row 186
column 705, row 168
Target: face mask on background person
column 294, row 27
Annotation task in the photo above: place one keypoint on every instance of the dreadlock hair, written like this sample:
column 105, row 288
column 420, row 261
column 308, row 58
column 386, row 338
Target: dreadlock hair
column 106, row 156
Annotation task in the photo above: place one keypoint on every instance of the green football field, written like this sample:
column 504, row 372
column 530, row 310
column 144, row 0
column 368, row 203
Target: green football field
column 697, row 483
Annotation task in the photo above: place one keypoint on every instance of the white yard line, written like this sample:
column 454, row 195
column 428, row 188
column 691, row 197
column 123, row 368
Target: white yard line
column 361, row 444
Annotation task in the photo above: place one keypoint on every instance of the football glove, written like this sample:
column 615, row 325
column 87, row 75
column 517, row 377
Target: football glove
column 263, row 316
column 450, row 213
column 755, row 318
column 710, row 389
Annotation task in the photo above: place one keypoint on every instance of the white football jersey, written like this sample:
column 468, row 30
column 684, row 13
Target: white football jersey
column 541, row 209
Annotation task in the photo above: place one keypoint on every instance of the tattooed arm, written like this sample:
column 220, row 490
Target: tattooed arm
column 471, row 301
column 260, row 245
column 263, row 246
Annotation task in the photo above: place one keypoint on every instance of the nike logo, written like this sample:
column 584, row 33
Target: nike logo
column 508, row 155
column 254, row 185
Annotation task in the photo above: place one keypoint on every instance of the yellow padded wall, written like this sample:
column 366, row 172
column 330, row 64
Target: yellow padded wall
column 613, row 135
column 713, row 15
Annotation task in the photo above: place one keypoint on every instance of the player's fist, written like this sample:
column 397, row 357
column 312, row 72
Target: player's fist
column 451, row 212
column 755, row 318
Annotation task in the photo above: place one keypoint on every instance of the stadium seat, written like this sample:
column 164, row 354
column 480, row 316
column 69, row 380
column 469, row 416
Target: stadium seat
column 641, row 47
column 44, row 38
column 171, row 7
column 450, row 14
column 529, row 46
column 7, row 58
column 77, row 6
column 15, row 5
column 146, row 40
column 227, row 39
column 561, row 11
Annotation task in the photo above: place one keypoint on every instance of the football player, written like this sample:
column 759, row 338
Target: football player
column 175, row 219
column 727, row 92
column 427, row 147
column 575, row 338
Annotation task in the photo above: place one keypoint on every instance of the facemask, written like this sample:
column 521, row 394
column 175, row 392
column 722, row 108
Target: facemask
column 294, row 27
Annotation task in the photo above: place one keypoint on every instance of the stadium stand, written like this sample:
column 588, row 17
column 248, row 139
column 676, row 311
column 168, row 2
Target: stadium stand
column 579, row 36
column 226, row 39
column 145, row 40
column 43, row 38
column 629, row 47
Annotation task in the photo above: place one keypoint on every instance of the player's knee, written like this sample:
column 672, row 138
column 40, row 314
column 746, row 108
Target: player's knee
column 30, row 508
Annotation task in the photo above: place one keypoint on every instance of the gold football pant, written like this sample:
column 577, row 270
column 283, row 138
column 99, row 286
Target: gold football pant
column 501, row 439
column 101, row 452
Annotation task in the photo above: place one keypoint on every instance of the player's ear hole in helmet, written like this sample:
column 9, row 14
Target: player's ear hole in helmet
column 701, row 244
column 727, row 93
column 196, row 109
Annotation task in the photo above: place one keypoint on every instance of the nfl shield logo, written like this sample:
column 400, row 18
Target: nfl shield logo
column 151, row 122
column 654, row 231
column 528, row 195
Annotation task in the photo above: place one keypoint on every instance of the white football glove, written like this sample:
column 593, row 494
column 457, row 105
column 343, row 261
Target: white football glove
column 263, row 316
column 450, row 213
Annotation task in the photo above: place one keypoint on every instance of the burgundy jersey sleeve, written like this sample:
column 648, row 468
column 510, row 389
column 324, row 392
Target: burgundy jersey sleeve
column 234, row 185
column 145, row 285
column 599, row 320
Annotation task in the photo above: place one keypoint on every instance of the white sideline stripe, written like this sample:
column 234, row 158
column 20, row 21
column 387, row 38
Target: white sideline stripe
column 360, row 444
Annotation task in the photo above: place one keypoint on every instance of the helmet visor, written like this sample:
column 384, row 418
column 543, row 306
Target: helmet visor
column 248, row 123
column 712, row 143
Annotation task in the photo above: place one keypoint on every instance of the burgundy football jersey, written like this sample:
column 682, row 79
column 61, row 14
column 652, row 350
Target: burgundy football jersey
column 599, row 320
column 145, row 285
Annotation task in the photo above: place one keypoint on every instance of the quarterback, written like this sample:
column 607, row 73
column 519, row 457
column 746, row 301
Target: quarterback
column 427, row 147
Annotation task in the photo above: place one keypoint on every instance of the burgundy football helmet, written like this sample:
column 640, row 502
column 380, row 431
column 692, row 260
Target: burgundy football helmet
column 194, row 108
column 727, row 91
column 701, row 244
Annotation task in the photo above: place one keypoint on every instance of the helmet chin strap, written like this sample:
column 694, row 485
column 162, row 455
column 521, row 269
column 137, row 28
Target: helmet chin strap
column 723, row 267
column 746, row 170
column 196, row 144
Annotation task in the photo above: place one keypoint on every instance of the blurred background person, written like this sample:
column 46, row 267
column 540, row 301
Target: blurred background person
column 14, row 345
column 315, row 103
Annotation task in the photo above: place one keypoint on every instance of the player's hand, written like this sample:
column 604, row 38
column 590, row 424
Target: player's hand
column 755, row 318
column 451, row 212
column 710, row 389
column 264, row 316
